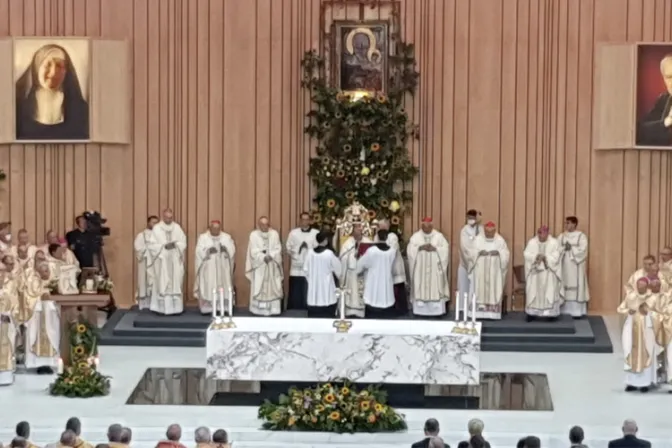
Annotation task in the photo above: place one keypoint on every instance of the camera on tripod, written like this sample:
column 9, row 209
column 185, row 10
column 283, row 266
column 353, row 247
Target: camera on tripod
column 95, row 224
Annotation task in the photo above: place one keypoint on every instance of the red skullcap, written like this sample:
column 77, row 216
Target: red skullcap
column 643, row 279
column 543, row 229
column 427, row 219
column 490, row 224
column 216, row 222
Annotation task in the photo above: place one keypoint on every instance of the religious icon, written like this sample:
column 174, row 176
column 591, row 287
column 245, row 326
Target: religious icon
column 654, row 95
column 51, row 77
column 361, row 52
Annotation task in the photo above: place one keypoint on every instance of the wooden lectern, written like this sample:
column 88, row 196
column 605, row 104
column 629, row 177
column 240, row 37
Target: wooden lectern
column 73, row 306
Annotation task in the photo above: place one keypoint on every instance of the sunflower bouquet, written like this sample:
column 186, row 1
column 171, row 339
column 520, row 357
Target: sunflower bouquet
column 332, row 407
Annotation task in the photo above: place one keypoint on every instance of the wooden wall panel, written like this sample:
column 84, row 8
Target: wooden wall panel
column 504, row 107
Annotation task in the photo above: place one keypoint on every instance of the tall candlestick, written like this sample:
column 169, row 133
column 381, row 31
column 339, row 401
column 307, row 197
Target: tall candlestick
column 60, row 366
column 342, row 305
column 473, row 308
column 214, row 303
column 465, row 306
column 221, row 302
column 457, row 306
column 230, row 303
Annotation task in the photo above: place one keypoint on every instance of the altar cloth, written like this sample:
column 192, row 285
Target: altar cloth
column 372, row 351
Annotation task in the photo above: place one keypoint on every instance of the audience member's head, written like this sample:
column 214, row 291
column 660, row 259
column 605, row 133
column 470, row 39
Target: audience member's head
column 463, row 444
column 475, row 427
column 102, row 445
column 432, row 427
column 532, row 442
column 114, row 433
column 520, row 444
column 18, row 442
column 126, row 435
column 202, row 435
column 630, row 427
column 220, row 437
column 436, row 442
column 477, row 441
column 174, row 432
column 68, row 438
column 74, row 425
column 576, row 435
column 23, row 430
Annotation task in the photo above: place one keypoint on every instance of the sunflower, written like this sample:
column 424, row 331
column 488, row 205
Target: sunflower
column 345, row 391
column 364, row 405
column 325, row 160
column 317, row 217
column 372, row 418
column 79, row 350
column 372, row 214
column 291, row 421
column 395, row 220
column 381, row 98
column 340, row 174
column 335, row 416
column 349, row 195
column 347, row 148
column 365, row 179
column 319, row 408
column 326, row 125
column 379, row 407
column 380, row 174
column 329, row 398
column 83, row 365
column 337, row 115
column 375, row 147
column 81, row 328
column 384, row 203
column 331, row 203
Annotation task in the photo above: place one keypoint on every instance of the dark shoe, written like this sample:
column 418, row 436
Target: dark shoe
column 669, row 391
column 643, row 389
column 631, row 388
column 45, row 371
column 577, row 317
column 528, row 318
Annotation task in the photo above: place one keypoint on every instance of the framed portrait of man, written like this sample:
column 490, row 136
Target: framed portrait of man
column 52, row 89
column 654, row 95
column 360, row 53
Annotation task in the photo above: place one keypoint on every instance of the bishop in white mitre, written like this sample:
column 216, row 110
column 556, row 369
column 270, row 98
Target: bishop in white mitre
column 321, row 268
column 263, row 268
column 488, row 264
column 143, row 262
column 428, row 260
column 543, row 285
column 167, row 251
column 398, row 270
column 574, row 247
column 468, row 235
column 299, row 242
column 350, row 280
column 376, row 265
column 214, row 263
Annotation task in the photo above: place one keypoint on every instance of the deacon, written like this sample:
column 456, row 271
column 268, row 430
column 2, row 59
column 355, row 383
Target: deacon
column 320, row 268
column 167, row 251
column 468, row 235
column 376, row 264
column 349, row 279
column 639, row 345
column 299, row 243
column 543, row 287
column 23, row 241
column 489, row 263
column 574, row 247
column 263, row 268
column 648, row 270
column 9, row 305
column 214, row 262
column 145, row 270
column 398, row 270
column 64, row 274
column 43, row 324
column 428, row 262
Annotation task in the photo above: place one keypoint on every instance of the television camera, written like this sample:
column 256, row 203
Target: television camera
column 95, row 224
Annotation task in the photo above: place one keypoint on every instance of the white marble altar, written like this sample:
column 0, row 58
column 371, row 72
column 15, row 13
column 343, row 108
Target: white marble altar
column 372, row 351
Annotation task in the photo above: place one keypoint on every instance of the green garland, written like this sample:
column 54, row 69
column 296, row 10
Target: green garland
column 80, row 378
column 339, row 408
column 362, row 152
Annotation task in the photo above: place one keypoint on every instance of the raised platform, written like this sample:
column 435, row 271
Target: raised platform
column 511, row 334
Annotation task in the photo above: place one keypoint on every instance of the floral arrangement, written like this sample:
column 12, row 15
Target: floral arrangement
column 105, row 285
column 362, row 140
column 339, row 408
column 81, row 379
column 52, row 286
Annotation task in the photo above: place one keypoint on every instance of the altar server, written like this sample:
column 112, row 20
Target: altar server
column 263, row 268
column 639, row 345
column 167, row 249
column 214, row 262
column 489, row 264
column 299, row 242
column 349, row 279
column 143, row 292
column 9, row 305
column 468, row 235
column 398, row 270
column 428, row 261
column 43, row 327
column 376, row 264
column 320, row 267
column 574, row 246
column 543, row 287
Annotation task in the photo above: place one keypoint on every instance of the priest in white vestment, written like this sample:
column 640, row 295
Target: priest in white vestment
column 468, row 234
column 23, row 242
column 661, row 314
column 398, row 270
column 5, row 237
column 64, row 274
column 51, row 237
column 488, row 263
column 573, row 261
column 321, row 268
column 665, row 264
column 543, row 285
column 9, row 305
column 350, row 280
column 214, row 263
column 639, row 341
column 263, row 268
column 43, row 328
column 429, row 261
column 143, row 258
column 649, row 270
column 167, row 251
column 376, row 265
column 299, row 243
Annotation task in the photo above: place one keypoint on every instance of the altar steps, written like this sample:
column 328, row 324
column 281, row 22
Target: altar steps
column 511, row 334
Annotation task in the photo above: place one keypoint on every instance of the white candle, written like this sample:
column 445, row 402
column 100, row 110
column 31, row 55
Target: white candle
column 473, row 308
column 230, row 303
column 96, row 362
column 465, row 306
column 457, row 306
column 342, row 305
column 214, row 303
column 60, row 366
column 221, row 301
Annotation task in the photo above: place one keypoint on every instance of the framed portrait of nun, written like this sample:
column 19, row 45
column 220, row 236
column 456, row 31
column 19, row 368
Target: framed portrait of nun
column 52, row 85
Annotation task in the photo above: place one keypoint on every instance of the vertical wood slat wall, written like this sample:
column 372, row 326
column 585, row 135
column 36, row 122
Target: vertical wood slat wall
column 504, row 106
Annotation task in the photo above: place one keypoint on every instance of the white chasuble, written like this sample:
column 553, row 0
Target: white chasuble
column 266, row 277
column 429, row 273
column 639, row 341
column 43, row 328
column 299, row 243
column 398, row 270
column 145, row 270
column 167, row 250
column 573, row 268
column 65, row 275
column 214, row 262
column 543, row 287
column 376, row 265
column 350, row 281
column 9, row 304
column 27, row 259
column 467, row 239
column 319, row 270
column 488, row 275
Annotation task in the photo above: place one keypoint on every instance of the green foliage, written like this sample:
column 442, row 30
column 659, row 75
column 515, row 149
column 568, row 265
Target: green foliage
column 339, row 408
column 362, row 150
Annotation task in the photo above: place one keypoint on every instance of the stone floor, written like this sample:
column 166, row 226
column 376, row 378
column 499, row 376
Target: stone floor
column 586, row 389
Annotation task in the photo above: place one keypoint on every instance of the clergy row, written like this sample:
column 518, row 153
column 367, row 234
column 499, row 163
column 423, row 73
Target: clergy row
column 555, row 269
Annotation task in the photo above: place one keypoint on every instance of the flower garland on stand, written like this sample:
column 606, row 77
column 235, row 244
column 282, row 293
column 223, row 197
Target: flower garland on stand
column 339, row 408
column 81, row 378
column 362, row 152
